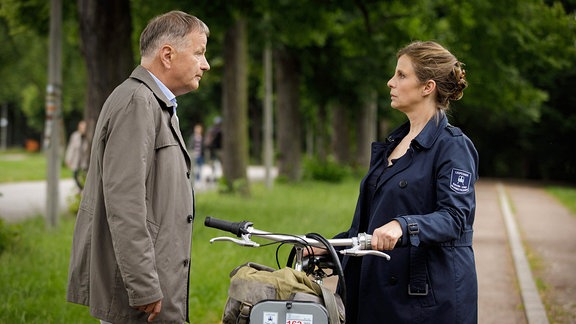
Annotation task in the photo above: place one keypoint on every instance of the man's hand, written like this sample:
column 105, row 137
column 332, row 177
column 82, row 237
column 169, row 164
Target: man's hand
column 153, row 309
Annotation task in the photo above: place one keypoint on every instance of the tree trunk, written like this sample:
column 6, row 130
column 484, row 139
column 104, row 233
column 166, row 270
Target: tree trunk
column 340, row 134
column 321, row 133
column 235, row 108
column 288, row 116
column 106, row 44
column 366, row 129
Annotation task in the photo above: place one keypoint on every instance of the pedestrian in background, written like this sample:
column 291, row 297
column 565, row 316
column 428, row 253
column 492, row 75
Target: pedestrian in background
column 197, row 150
column 214, row 145
column 77, row 154
column 130, row 258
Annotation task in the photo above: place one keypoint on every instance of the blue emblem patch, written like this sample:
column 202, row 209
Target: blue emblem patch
column 460, row 181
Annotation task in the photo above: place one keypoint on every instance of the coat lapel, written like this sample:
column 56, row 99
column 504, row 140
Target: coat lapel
column 175, row 125
column 144, row 76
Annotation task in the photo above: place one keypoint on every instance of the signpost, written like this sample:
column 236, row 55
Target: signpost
column 53, row 114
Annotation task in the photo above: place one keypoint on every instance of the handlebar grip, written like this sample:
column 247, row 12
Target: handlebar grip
column 236, row 228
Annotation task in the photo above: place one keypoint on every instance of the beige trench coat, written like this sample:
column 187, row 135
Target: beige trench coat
column 133, row 231
column 76, row 157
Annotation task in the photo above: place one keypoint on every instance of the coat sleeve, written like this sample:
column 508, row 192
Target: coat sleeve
column 127, row 159
column 456, row 171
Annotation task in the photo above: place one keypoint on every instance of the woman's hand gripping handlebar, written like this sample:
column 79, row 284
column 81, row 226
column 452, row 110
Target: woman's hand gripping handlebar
column 358, row 246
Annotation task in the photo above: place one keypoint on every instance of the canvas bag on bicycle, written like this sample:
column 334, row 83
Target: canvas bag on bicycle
column 251, row 283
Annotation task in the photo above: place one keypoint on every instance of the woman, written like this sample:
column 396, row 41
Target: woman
column 77, row 154
column 418, row 201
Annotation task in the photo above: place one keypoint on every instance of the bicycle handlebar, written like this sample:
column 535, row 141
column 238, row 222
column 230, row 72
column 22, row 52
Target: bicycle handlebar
column 236, row 228
column 359, row 245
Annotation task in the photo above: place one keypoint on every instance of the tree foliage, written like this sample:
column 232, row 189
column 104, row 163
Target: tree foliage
column 520, row 60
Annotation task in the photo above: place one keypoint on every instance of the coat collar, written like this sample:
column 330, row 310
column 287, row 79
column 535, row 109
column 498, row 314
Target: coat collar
column 423, row 141
column 427, row 136
column 143, row 75
column 432, row 130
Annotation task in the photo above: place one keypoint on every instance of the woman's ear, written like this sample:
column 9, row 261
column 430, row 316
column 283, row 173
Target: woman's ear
column 429, row 87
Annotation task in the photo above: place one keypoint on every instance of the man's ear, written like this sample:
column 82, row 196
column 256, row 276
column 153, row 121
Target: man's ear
column 429, row 87
column 166, row 54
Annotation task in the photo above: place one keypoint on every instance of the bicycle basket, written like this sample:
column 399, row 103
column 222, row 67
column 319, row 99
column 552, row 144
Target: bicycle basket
column 252, row 283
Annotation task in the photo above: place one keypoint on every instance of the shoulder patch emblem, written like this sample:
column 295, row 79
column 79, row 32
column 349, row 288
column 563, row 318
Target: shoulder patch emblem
column 460, row 181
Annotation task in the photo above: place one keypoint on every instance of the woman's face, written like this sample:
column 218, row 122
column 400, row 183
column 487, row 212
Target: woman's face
column 405, row 88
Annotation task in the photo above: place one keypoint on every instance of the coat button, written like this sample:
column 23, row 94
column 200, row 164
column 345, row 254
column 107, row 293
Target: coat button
column 403, row 184
column 393, row 280
column 188, row 174
column 190, row 218
column 186, row 262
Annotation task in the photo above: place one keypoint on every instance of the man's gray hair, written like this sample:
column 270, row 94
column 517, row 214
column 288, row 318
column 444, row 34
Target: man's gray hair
column 170, row 28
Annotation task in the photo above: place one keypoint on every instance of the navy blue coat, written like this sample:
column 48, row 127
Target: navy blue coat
column 431, row 277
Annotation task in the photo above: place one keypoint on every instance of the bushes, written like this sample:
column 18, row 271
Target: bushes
column 328, row 171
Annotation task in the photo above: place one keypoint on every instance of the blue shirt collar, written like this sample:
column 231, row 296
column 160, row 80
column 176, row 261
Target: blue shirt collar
column 165, row 90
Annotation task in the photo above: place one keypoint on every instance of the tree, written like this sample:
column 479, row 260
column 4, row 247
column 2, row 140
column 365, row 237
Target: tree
column 24, row 31
column 106, row 34
column 235, row 106
column 514, row 52
column 288, row 114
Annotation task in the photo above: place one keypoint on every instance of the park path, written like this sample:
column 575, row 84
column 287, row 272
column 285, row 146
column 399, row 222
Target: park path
column 21, row 200
column 498, row 296
column 549, row 231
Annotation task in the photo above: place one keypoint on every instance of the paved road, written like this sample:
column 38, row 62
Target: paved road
column 534, row 224
column 28, row 199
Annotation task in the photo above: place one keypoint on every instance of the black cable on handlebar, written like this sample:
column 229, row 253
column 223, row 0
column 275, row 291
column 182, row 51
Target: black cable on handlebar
column 338, row 264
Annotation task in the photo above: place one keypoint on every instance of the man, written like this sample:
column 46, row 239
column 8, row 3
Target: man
column 214, row 144
column 130, row 257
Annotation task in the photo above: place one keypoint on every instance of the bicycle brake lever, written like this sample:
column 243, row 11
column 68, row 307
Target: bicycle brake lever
column 243, row 242
column 357, row 252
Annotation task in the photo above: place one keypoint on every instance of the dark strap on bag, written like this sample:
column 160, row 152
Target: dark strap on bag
column 244, row 313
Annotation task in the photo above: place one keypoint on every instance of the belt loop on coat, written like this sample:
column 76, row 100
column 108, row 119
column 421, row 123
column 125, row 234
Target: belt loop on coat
column 418, row 283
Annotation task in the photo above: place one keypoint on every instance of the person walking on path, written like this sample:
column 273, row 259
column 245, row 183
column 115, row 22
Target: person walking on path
column 77, row 154
column 130, row 258
column 214, row 144
column 197, row 150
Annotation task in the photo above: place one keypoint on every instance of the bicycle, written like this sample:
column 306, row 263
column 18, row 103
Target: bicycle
column 272, row 310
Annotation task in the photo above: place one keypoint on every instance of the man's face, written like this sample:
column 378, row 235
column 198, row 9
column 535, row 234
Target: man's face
column 189, row 64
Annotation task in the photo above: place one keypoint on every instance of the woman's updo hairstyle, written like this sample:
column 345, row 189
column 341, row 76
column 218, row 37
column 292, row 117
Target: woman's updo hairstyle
column 431, row 61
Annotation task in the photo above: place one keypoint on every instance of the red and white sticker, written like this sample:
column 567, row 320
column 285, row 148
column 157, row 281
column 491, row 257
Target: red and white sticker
column 294, row 318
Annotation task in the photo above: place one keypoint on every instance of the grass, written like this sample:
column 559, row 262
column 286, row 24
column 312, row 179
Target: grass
column 34, row 272
column 19, row 165
column 34, row 267
column 566, row 195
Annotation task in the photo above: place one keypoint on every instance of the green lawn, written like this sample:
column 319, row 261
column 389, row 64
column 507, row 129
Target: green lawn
column 566, row 195
column 19, row 165
column 34, row 268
